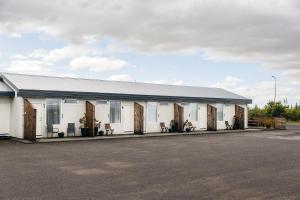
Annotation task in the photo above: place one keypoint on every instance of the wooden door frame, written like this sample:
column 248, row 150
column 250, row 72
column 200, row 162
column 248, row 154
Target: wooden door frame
column 29, row 121
column 214, row 126
column 178, row 117
column 138, row 118
column 240, row 115
column 90, row 117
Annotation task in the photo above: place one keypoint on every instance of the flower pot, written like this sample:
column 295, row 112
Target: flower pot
column 101, row 133
column 61, row 134
column 84, row 132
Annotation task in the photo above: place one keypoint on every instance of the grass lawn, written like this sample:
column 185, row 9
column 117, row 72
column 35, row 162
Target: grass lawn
column 293, row 123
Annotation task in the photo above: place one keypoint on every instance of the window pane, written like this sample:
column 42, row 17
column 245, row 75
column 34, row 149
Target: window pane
column 220, row 108
column 152, row 111
column 194, row 111
column 115, row 111
column 53, row 111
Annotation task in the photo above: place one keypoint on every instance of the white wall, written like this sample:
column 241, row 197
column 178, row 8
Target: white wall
column 246, row 114
column 71, row 113
column 5, row 110
column 17, row 117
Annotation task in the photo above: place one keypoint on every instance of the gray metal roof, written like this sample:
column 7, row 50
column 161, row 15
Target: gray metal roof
column 5, row 90
column 33, row 85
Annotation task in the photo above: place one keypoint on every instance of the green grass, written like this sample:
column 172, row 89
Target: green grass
column 293, row 123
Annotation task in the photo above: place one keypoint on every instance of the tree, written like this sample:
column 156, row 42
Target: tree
column 275, row 109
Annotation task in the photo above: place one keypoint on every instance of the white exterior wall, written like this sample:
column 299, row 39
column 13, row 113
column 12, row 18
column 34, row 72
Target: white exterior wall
column 5, row 118
column 246, row 114
column 17, row 117
column 165, row 114
column 202, row 112
column 71, row 113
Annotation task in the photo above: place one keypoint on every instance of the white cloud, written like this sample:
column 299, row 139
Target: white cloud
column 97, row 63
column 260, row 92
column 258, row 31
column 120, row 77
column 28, row 67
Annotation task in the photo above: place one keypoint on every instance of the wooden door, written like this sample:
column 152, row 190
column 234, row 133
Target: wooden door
column 211, row 118
column 178, row 117
column 29, row 121
column 90, row 117
column 240, row 117
column 138, row 118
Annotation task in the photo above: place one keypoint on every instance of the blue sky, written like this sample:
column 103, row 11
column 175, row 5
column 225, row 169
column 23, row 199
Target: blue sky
column 239, row 51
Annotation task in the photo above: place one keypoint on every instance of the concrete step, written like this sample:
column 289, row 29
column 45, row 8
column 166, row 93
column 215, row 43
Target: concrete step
column 4, row 136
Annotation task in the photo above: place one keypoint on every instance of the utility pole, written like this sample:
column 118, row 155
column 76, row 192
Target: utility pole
column 275, row 79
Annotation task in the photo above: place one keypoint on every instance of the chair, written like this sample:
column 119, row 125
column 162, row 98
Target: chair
column 71, row 129
column 228, row 126
column 163, row 127
column 108, row 129
column 51, row 130
column 191, row 127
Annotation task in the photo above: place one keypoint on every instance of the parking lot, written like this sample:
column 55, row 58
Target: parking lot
column 260, row 165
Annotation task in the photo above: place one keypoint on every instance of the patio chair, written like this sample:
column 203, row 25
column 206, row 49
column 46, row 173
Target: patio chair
column 163, row 127
column 228, row 126
column 71, row 129
column 108, row 129
column 51, row 130
column 191, row 127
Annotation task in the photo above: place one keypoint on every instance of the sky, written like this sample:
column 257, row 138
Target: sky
column 237, row 45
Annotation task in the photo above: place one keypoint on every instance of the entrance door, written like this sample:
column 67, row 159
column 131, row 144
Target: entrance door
column 90, row 117
column 178, row 117
column 29, row 121
column 39, row 119
column 138, row 118
column 127, row 117
column 240, row 117
column 211, row 118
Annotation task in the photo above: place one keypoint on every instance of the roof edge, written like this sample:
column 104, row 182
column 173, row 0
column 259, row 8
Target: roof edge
column 112, row 96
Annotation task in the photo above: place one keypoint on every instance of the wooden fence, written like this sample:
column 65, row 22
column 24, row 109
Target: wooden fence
column 275, row 122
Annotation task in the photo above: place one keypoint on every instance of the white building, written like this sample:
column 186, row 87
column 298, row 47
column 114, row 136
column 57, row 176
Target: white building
column 60, row 101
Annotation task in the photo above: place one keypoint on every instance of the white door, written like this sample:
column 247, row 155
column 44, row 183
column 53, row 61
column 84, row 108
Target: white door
column 39, row 119
column 127, row 117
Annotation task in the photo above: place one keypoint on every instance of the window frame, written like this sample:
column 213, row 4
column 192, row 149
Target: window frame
column 60, row 110
column 196, row 111
column 110, row 112
column 156, row 111
column 218, row 106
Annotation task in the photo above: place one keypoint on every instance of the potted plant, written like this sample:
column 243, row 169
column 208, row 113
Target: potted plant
column 97, row 125
column 61, row 134
column 83, row 126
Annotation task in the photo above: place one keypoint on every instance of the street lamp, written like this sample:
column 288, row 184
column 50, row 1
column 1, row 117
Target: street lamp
column 275, row 79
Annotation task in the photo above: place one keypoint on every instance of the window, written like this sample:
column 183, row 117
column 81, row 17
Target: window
column 194, row 111
column 53, row 111
column 152, row 112
column 72, row 101
column 220, row 112
column 115, row 111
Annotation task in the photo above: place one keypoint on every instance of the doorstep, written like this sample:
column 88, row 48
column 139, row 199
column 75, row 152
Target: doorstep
column 128, row 136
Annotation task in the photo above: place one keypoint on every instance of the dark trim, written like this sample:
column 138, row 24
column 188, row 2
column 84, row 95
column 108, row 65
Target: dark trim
column 7, row 94
column 132, row 97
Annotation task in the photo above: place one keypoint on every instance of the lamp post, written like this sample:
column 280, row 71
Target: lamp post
column 275, row 79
